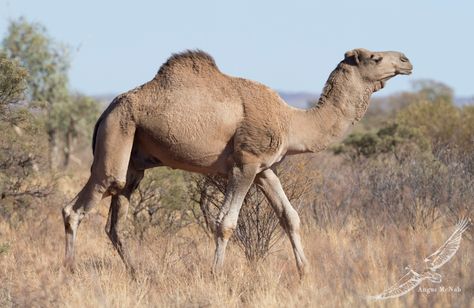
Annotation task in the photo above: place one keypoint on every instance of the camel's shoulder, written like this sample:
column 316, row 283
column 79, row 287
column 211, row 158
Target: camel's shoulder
column 266, row 119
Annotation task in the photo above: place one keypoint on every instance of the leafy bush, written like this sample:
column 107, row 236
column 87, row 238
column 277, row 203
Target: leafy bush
column 393, row 138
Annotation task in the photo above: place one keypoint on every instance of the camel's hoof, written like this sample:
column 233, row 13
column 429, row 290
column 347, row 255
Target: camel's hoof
column 69, row 265
column 216, row 273
column 132, row 273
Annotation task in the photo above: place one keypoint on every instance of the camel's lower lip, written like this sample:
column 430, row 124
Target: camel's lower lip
column 404, row 72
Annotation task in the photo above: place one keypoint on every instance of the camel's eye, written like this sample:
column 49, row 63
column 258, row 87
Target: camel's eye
column 375, row 58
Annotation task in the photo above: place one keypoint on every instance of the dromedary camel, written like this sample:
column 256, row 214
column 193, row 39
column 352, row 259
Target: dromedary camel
column 193, row 117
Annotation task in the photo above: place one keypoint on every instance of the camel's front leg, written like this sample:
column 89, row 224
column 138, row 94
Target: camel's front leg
column 239, row 183
column 108, row 174
column 289, row 218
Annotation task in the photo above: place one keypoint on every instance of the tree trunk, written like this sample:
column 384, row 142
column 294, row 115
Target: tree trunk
column 67, row 149
column 52, row 149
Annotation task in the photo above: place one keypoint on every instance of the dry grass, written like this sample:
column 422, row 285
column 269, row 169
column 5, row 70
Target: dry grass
column 349, row 261
column 174, row 270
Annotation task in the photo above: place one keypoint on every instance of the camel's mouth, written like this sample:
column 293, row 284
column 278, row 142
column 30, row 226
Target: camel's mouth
column 398, row 71
column 404, row 71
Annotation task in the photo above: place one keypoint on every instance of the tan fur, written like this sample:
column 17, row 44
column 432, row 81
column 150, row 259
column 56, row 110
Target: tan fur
column 193, row 117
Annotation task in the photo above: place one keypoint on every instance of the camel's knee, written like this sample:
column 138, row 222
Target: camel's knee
column 66, row 211
column 226, row 229
column 70, row 217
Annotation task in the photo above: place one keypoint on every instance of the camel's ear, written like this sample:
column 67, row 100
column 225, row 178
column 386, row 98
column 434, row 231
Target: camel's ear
column 352, row 55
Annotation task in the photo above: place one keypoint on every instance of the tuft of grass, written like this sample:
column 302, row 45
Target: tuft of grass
column 4, row 248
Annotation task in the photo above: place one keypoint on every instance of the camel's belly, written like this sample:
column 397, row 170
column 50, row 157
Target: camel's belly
column 204, row 155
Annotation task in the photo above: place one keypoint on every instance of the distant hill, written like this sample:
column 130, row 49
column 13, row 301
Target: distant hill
column 295, row 99
column 302, row 99
column 463, row 101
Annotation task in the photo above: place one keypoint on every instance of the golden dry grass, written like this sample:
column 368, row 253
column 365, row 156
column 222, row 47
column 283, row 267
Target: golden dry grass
column 174, row 271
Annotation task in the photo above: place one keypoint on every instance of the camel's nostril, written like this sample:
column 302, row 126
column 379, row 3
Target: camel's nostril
column 404, row 59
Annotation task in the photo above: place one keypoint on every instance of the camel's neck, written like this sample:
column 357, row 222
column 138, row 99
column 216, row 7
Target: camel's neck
column 344, row 100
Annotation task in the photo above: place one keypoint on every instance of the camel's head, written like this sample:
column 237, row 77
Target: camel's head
column 378, row 66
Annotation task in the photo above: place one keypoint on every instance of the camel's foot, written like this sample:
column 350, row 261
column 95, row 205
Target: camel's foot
column 303, row 271
column 69, row 265
column 132, row 272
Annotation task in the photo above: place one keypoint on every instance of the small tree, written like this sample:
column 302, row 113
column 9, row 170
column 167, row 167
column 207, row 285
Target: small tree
column 66, row 117
column 12, row 86
column 47, row 64
column 75, row 120
column 20, row 145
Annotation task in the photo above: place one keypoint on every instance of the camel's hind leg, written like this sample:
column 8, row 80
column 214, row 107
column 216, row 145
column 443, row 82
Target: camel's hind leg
column 118, row 216
column 75, row 211
column 114, row 141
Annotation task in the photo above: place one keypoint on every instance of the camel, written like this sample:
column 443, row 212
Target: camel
column 193, row 117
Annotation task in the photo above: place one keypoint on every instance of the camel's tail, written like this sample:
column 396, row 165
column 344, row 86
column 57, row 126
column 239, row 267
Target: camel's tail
column 94, row 134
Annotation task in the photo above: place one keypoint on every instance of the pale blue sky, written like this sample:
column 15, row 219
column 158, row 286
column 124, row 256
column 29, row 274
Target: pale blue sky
column 288, row 45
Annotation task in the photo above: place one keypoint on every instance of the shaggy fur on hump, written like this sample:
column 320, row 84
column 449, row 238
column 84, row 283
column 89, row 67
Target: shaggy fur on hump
column 193, row 58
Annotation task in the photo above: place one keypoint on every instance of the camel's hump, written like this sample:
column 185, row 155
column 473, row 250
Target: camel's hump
column 193, row 59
